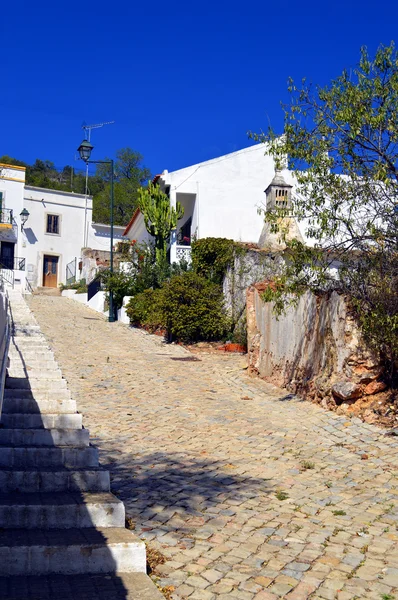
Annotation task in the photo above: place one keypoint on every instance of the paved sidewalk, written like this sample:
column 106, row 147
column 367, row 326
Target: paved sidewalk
column 248, row 492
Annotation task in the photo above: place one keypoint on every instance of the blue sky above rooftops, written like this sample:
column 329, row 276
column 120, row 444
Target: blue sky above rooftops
column 183, row 82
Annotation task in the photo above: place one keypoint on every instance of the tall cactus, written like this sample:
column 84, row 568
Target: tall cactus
column 160, row 218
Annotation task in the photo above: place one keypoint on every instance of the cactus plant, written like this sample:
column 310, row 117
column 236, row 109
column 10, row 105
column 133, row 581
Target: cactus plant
column 159, row 216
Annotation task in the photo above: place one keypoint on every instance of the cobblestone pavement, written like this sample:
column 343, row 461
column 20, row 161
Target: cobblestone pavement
column 248, row 492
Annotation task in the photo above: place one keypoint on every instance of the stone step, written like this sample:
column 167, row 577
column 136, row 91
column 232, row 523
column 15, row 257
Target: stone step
column 44, row 437
column 60, row 510
column 34, row 337
column 22, row 383
column 21, row 349
column 107, row 586
column 54, row 480
column 71, row 551
column 41, row 421
column 37, row 374
column 26, row 357
column 38, row 395
column 30, row 405
column 33, row 365
column 41, row 457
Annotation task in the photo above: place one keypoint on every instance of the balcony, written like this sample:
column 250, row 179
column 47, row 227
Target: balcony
column 6, row 218
column 183, row 253
column 15, row 264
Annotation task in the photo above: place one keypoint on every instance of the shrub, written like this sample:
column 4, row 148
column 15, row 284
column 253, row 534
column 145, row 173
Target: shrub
column 211, row 257
column 192, row 308
column 189, row 306
column 143, row 274
column 146, row 309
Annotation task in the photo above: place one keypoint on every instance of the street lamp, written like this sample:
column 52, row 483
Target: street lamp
column 24, row 214
column 85, row 150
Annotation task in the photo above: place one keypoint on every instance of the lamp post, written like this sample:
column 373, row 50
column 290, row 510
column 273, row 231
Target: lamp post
column 85, row 150
column 24, row 214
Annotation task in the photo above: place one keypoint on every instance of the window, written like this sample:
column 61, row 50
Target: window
column 53, row 224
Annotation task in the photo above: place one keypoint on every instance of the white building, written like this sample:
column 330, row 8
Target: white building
column 46, row 249
column 221, row 198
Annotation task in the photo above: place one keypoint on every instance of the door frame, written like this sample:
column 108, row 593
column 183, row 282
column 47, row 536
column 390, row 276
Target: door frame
column 51, row 255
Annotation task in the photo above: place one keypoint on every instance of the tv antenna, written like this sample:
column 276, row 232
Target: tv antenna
column 87, row 130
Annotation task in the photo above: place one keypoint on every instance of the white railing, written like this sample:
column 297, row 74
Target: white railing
column 183, row 253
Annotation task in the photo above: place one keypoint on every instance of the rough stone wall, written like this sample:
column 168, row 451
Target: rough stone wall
column 249, row 266
column 315, row 349
column 95, row 260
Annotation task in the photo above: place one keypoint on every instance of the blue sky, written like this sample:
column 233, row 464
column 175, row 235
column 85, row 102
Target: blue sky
column 183, row 81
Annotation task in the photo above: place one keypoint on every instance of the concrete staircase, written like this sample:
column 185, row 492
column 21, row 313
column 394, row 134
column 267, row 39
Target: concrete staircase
column 62, row 533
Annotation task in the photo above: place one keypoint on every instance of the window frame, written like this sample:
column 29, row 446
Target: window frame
column 46, row 222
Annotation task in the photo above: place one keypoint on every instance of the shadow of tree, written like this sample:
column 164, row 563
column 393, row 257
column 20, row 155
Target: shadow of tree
column 157, row 486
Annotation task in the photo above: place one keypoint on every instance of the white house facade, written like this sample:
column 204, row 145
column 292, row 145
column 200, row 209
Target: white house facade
column 221, row 198
column 43, row 231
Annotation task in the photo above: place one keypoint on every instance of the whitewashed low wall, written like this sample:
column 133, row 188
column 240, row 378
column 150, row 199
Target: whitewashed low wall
column 97, row 302
column 315, row 348
column 68, row 293
column 121, row 313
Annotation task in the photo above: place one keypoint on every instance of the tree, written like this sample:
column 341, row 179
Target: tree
column 160, row 217
column 342, row 145
column 129, row 176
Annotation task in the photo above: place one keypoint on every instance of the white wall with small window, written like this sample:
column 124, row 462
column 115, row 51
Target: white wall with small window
column 54, row 233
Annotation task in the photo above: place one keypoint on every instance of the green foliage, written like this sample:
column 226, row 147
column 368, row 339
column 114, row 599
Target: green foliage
column 211, row 257
column 189, row 306
column 342, row 145
column 145, row 309
column 193, row 308
column 143, row 273
column 80, row 286
column 129, row 176
column 160, row 218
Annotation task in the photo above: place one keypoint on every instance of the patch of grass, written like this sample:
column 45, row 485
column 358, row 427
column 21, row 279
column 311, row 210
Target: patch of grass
column 387, row 597
column 329, row 484
column 307, row 464
column 281, row 495
column 364, row 549
column 339, row 513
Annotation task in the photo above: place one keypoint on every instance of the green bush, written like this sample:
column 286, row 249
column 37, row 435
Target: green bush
column 145, row 309
column 211, row 257
column 143, row 274
column 189, row 306
column 193, row 309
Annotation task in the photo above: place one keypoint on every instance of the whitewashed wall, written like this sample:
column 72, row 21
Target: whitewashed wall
column 67, row 245
column 224, row 195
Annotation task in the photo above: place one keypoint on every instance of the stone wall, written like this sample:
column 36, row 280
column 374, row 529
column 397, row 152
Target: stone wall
column 249, row 266
column 315, row 349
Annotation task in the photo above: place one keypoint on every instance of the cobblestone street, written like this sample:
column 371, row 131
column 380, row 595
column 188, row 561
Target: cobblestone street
column 247, row 491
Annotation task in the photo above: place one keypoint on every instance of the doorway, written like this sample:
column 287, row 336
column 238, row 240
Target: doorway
column 50, row 271
column 7, row 255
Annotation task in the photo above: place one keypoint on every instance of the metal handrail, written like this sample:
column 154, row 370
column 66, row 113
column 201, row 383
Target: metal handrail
column 18, row 264
column 7, row 276
column 71, row 272
column 28, row 287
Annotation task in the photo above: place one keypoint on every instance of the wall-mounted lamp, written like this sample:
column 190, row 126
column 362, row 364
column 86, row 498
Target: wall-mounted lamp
column 24, row 214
